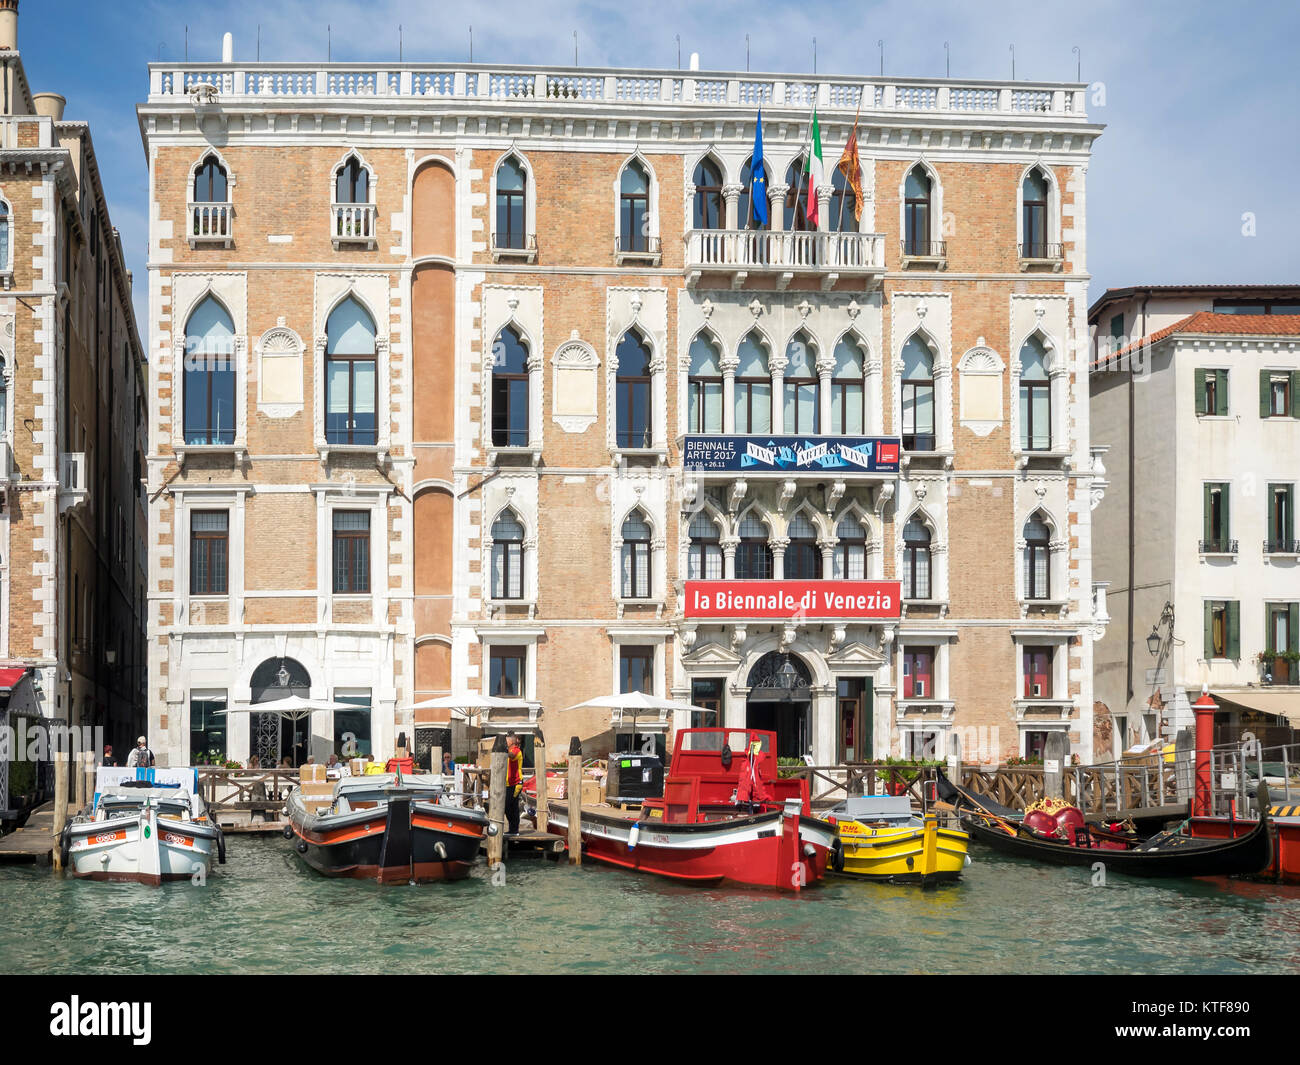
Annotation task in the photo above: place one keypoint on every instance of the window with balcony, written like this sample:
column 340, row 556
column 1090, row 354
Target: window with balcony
column 635, row 553
column 1035, row 397
column 704, row 560
column 916, row 559
column 1281, row 639
column 916, row 212
column 209, row 552
column 1216, row 529
column 354, row 213
column 1034, row 234
column 753, row 555
column 1038, row 672
column 850, row 558
column 1279, row 394
column 508, row 672
column 210, row 205
column 753, row 395
column 351, row 552
column 512, row 205
column 704, row 387
column 6, row 263
column 209, row 375
column 709, row 207
column 803, row 558
column 507, row 556
column 634, row 209
column 1281, row 520
column 1222, row 629
column 918, row 672
column 509, row 389
column 632, row 392
column 801, row 406
column 1038, row 558
column 848, row 390
column 918, row 396
column 351, row 373
column 1212, row 392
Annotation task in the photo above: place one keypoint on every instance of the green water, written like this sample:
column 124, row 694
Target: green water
column 266, row 912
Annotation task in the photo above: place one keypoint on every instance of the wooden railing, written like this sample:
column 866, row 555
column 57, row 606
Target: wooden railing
column 248, row 790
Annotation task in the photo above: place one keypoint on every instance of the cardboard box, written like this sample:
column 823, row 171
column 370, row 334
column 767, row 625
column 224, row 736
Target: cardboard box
column 591, row 793
column 312, row 771
column 357, row 766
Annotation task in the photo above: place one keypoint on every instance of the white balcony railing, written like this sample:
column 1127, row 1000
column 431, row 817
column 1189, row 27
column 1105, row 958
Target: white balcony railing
column 353, row 223
column 677, row 88
column 210, row 223
column 760, row 250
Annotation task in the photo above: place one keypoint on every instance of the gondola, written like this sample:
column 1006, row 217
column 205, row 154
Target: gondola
column 1166, row 854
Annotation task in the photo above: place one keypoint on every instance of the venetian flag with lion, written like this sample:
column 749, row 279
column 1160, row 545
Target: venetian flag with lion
column 851, row 168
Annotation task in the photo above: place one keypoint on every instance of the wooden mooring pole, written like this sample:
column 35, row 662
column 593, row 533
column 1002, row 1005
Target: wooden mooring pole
column 435, row 761
column 539, row 767
column 497, row 800
column 60, row 802
column 90, row 780
column 79, row 782
column 575, row 801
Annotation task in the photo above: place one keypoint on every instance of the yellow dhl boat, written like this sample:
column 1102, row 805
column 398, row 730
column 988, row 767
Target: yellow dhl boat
column 882, row 839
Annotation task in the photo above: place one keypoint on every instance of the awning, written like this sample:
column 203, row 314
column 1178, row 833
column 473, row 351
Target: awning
column 10, row 677
column 1280, row 704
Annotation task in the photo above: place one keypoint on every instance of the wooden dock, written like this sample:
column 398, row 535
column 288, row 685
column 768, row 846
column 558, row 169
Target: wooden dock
column 34, row 842
column 529, row 843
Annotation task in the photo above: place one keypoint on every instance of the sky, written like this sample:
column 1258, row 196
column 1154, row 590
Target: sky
column 1190, row 182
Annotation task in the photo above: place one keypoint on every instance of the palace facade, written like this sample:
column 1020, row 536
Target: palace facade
column 491, row 379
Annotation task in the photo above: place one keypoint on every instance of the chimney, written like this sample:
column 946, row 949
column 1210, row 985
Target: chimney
column 9, row 25
column 228, row 48
column 695, row 60
column 49, row 105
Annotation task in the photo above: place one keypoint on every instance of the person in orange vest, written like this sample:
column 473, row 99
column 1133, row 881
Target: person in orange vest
column 514, row 782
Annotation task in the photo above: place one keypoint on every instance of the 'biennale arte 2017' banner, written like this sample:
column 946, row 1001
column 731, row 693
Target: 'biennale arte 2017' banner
column 794, row 600
column 756, row 454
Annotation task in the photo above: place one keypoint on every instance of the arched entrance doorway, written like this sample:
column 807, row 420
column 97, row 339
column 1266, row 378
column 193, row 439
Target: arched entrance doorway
column 273, row 738
column 780, row 701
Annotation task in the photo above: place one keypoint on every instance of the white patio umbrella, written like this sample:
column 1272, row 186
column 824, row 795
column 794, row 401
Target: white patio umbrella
column 468, row 702
column 293, row 707
column 638, row 703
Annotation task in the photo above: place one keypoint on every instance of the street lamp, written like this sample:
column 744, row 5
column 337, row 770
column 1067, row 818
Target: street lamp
column 788, row 675
column 1153, row 642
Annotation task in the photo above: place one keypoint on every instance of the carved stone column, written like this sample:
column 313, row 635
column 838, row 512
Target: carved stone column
column 730, row 361
column 778, row 544
column 729, row 545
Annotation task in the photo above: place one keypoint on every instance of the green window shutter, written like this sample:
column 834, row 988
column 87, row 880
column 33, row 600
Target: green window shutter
column 1200, row 392
column 1295, row 393
column 1263, row 394
column 1207, row 533
column 1209, row 630
column 1292, row 617
column 1221, row 392
column 1234, row 630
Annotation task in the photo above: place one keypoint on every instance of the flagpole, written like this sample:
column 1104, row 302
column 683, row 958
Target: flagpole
column 798, row 185
column 839, row 215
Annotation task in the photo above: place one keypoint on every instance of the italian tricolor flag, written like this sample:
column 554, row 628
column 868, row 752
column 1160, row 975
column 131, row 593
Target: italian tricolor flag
column 816, row 172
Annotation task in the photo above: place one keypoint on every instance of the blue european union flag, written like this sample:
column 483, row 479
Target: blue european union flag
column 758, row 176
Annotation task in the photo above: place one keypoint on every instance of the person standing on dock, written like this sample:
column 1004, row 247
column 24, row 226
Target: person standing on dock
column 140, row 757
column 514, row 782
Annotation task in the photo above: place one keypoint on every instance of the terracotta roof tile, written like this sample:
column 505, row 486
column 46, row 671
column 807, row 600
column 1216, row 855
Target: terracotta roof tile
column 1207, row 323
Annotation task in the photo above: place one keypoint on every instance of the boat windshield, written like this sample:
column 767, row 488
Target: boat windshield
column 713, row 739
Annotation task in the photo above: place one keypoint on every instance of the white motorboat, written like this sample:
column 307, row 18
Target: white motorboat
column 145, row 825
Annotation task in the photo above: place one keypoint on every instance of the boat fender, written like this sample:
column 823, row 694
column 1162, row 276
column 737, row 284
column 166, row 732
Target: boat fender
column 302, row 846
column 221, row 845
column 726, row 756
column 440, row 850
column 288, row 831
column 837, row 855
column 633, row 836
column 65, row 845
column 493, row 828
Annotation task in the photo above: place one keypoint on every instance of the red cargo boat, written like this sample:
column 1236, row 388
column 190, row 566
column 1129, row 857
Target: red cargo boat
column 725, row 816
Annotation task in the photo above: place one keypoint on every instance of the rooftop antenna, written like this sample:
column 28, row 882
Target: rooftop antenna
column 747, row 53
column 678, row 36
column 1078, row 63
column 259, row 42
column 575, row 48
column 187, row 44
column 471, row 44
column 814, row 55
column 947, row 61
column 1013, row 62
column 399, row 42
column 881, row 45
column 329, row 43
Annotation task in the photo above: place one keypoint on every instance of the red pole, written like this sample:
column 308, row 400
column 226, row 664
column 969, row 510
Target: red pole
column 1204, row 708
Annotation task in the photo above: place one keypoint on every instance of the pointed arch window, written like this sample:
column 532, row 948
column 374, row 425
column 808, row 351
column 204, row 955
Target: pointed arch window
column 917, row 191
column 802, row 408
column 352, row 183
column 4, row 398
column 704, row 556
column 704, row 387
column 210, row 202
column 795, row 216
column 209, row 375
column 1034, row 217
column 634, row 208
column 753, row 394
column 636, row 556
column 916, row 560
column 918, row 396
column 351, row 376
column 753, row 555
column 710, row 211
column 632, row 392
column 354, row 213
column 210, row 182
column 5, row 263
column 1035, row 397
column 747, row 213
column 1038, row 557
column 507, row 556
column 509, row 389
column 851, row 550
column 803, row 558
column 848, row 391
column 512, row 204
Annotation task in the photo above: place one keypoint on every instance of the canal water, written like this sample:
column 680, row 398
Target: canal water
column 266, row 912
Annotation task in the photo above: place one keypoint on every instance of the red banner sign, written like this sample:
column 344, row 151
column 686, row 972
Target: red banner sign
column 794, row 600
